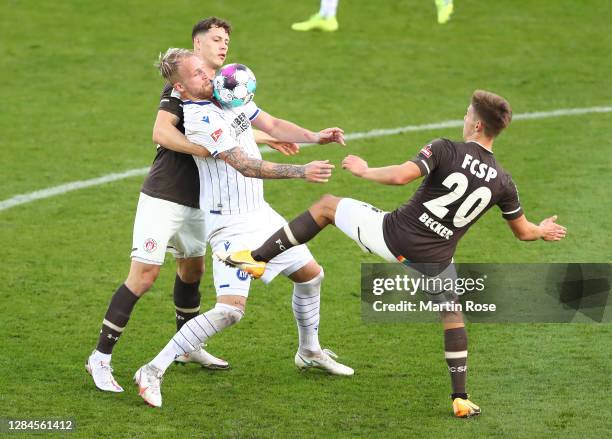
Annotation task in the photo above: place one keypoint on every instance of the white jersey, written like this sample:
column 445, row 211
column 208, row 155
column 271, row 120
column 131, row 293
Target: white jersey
column 223, row 190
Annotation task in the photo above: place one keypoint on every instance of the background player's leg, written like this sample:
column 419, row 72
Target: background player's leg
column 300, row 230
column 189, row 271
column 328, row 8
column 324, row 20
column 140, row 279
column 187, row 297
column 445, row 10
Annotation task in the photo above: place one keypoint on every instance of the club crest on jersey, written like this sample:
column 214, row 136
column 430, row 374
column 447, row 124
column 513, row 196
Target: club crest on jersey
column 215, row 135
column 205, row 119
column 242, row 275
column 150, row 245
column 426, row 151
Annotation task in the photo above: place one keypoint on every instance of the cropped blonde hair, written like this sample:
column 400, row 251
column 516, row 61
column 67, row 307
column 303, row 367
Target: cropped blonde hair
column 169, row 62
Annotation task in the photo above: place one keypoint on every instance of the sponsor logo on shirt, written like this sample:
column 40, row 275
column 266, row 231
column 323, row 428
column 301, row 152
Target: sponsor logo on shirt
column 205, row 119
column 215, row 135
column 426, row 151
column 241, row 124
column 242, row 275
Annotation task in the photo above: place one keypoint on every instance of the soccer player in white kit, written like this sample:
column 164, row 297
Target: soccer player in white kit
column 236, row 214
column 168, row 219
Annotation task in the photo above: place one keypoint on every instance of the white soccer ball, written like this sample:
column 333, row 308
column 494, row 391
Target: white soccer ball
column 234, row 85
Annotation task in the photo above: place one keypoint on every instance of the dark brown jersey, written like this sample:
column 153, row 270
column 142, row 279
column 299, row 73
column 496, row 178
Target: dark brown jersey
column 462, row 181
column 173, row 175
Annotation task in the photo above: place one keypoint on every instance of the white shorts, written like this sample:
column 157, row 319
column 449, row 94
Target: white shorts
column 161, row 226
column 363, row 223
column 249, row 231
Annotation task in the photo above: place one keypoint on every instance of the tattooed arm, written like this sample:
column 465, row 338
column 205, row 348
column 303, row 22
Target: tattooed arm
column 317, row 171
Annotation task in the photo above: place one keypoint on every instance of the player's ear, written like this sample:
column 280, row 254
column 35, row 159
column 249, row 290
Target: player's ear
column 178, row 87
column 479, row 126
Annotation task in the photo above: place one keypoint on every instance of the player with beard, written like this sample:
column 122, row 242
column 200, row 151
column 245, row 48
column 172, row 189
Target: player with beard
column 238, row 215
column 168, row 218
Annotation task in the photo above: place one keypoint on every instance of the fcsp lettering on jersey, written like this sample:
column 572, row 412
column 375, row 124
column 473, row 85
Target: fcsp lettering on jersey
column 479, row 169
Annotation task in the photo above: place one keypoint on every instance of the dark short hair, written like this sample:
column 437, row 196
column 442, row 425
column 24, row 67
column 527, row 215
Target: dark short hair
column 206, row 24
column 493, row 110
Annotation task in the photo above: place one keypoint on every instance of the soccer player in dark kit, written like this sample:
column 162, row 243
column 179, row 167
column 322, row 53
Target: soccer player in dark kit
column 462, row 181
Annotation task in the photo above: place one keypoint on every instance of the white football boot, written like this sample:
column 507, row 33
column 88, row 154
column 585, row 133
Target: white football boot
column 148, row 379
column 324, row 361
column 102, row 374
column 205, row 359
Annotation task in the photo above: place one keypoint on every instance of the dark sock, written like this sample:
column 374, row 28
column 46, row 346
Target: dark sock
column 303, row 228
column 186, row 301
column 116, row 318
column 455, row 347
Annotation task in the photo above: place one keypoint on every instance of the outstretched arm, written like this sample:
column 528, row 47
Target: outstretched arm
column 290, row 132
column 167, row 135
column 548, row 229
column 316, row 172
column 392, row 175
column 285, row 148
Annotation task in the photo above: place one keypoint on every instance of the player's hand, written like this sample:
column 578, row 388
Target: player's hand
column 318, row 171
column 329, row 135
column 285, row 148
column 355, row 165
column 551, row 231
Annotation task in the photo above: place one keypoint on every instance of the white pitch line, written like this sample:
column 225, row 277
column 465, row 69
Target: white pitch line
column 459, row 123
column 69, row 187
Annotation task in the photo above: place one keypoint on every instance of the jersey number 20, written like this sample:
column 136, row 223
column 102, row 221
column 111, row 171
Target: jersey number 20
column 482, row 196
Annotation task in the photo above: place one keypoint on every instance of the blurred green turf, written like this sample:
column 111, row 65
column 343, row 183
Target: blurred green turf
column 79, row 97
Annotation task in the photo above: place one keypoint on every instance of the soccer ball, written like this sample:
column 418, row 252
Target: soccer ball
column 234, row 85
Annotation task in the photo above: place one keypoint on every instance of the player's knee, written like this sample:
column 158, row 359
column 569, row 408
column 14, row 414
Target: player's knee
column 147, row 280
column 190, row 270
column 328, row 200
column 191, row 273
column 326, row 207
column 228, row 315
column 141, row 278
column 309, row 273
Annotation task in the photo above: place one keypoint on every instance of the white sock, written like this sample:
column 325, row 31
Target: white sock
column 102, row 357
column 328, row 8
column 306, row 303
column 195, row 332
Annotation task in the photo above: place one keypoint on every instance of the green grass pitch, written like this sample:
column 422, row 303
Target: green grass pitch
column 79, row 96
